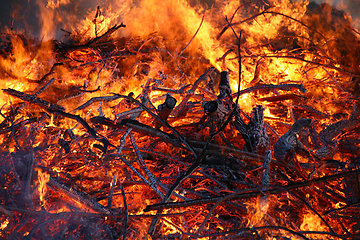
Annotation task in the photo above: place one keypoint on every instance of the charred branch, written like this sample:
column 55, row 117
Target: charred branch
column 287, row 87
column 165, row 109
column 326, row 136
column 78, row 196
column 254, row 133
column 142, row 128
column 18, row 125
column 250, row 193
column 180, row 109
column 288, row 144
column 34, row 100
column 92, row 42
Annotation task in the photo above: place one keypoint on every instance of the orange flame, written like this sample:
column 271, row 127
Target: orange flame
column 43, row 178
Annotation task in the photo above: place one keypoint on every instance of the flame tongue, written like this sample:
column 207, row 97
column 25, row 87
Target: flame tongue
column 43, row 180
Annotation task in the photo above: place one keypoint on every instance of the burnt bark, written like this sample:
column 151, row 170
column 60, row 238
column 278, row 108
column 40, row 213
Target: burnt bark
column 329, row 146
column 254, row 133
column 288, row 144
column 165, row 109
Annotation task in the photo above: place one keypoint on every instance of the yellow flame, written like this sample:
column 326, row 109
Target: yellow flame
column 4, row 224
column 312, row 222
column 43, row 178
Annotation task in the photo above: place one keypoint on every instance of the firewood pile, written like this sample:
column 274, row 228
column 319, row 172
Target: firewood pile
column 123, row 138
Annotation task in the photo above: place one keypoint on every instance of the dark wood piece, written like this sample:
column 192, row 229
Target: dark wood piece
column 285, row 147
column 254, row 133
column 165, row 109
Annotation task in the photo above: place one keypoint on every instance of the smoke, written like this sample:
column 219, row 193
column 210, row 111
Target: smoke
column 45, row 18
column 29, row 15
column 350, row 7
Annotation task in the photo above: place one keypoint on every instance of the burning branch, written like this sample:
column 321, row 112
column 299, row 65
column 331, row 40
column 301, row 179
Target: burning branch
column 34, row 100
column 78, row 196
column 92, row 42
column 285, row 147
column 251, row 193
column 56, row 109
column 181, row 109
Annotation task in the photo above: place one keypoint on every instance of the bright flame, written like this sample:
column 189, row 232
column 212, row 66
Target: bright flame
column 43, row 178
column 4, row 224
column 312, row 222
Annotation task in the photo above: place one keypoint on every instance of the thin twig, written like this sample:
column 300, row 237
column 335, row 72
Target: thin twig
column 165, row 123
column 126, row 211
column 31, row 233
column 142, row 164
column 5, row 211
column 140, row 176
column 52, row 70
column 12, row 127
column 317, row 64
column 43, row 88
column 313, row 210
column 93, row 41
column 179, row 110
column 89, row 214
column 140, row 127
column 110, row 196
column 94, row 100
column 287, row 87
column 78, row 196
column 202, row 20
column 250, row 230
column 253, row 192
column 16, row 126
column 276, row 13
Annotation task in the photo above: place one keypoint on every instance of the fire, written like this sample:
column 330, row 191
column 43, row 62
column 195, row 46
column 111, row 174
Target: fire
column 4, row 224
column 124, row 120
column 312, row 222
column 43, row 178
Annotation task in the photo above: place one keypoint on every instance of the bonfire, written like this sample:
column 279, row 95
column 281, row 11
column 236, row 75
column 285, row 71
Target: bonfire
column 174, row 120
